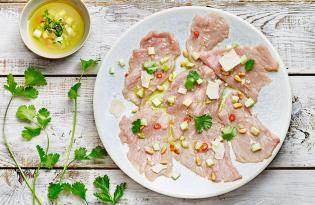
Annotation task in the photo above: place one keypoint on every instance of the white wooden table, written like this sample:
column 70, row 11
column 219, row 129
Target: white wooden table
column 289, row 25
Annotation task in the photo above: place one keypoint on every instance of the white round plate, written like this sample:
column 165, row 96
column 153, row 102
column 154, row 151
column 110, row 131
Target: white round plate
column 273, row 107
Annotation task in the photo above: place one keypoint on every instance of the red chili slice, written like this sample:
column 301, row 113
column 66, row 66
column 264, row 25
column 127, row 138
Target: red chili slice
column 187, row 118
column 157, row 126
column 204, row 147
column 196, row 34
column 159, row 74
column 232, row 117
column 126, row 75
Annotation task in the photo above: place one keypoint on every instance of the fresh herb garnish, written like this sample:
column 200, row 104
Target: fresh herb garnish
column 203, row 122
column 191, row 80
column 96, row 153
column 32, row 78
column 102, row 183
column 73, row 95
column 77, row 189
column 150, row 67
column 249, row 65
column 229, row 132
column 52, row 25
column 47, row 160
column 136, row 126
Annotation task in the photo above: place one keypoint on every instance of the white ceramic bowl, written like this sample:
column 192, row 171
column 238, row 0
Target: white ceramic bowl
column 23, row 24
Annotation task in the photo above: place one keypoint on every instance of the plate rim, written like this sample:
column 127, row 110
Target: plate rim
column 220, row 192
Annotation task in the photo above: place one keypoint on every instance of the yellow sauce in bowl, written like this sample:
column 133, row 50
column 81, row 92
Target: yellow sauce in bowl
column 56, row 27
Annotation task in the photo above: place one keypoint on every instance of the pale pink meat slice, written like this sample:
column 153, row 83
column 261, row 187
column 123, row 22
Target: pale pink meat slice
column 212, row 29
column 242, row 143
column 165, row 46
column 223, row 169
column 136, row 154
column 255, row 79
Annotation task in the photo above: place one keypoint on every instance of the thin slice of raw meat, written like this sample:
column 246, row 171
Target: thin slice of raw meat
column 211, row 29
column 165, row 46
column 137, row 155
column 253, row 80
column 242, row 143
column 222, row 170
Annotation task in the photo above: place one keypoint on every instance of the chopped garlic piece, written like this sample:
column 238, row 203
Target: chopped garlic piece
column 156, row 146
column 171, row 100
column 151, row 50
column 156, row 102
column 199, row 81
column 255, row 131
column 198, row 145
column 182, row 90
column 195, row 56
column 187, row 102
column 184, row 125
column 210, row 162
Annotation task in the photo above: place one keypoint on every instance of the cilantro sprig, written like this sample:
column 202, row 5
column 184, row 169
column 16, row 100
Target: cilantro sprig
column 249, row 65
column 77, row 189
column 102, row 183
column 203, row 122
column 32, row 77
column 73, row 95
column 191, row 80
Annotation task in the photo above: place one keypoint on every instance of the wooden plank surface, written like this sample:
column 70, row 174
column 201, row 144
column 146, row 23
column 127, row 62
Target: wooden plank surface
column 289, row 26
column 298, row 149
column 271, row 187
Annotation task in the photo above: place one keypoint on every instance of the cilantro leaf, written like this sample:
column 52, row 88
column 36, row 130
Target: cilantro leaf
column 66, row 187
column 33, row 77
column 54, row 190
column 29, row 132
column 249, row 65
column 11, row 84
column 25, row 112
column 191, row 80
column 41, row 153
column 203, row 122
column 79, row 190
column 73, row 92
column 43, row 117
column 47, row 160
column 51, row 160
column 97, row 153
column 102, row 183
column 26, row 92
column 119, row 192
column 86, row 64
column 80, row 154
column 229, row 132
column 136, row 126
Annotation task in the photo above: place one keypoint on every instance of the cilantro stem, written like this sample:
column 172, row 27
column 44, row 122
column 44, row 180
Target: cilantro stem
column 39, row 165
column 66, row 164
column 6, row 143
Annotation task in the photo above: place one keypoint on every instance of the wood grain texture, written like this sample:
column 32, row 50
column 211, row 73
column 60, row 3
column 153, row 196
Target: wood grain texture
column 295, row 187
column 288, row 25
column 298, row 149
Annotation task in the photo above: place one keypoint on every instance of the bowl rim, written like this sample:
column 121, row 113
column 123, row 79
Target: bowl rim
column 31, row 46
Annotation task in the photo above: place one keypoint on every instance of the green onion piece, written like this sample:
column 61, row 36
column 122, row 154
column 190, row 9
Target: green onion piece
column 150, row 67
column 249, row 65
